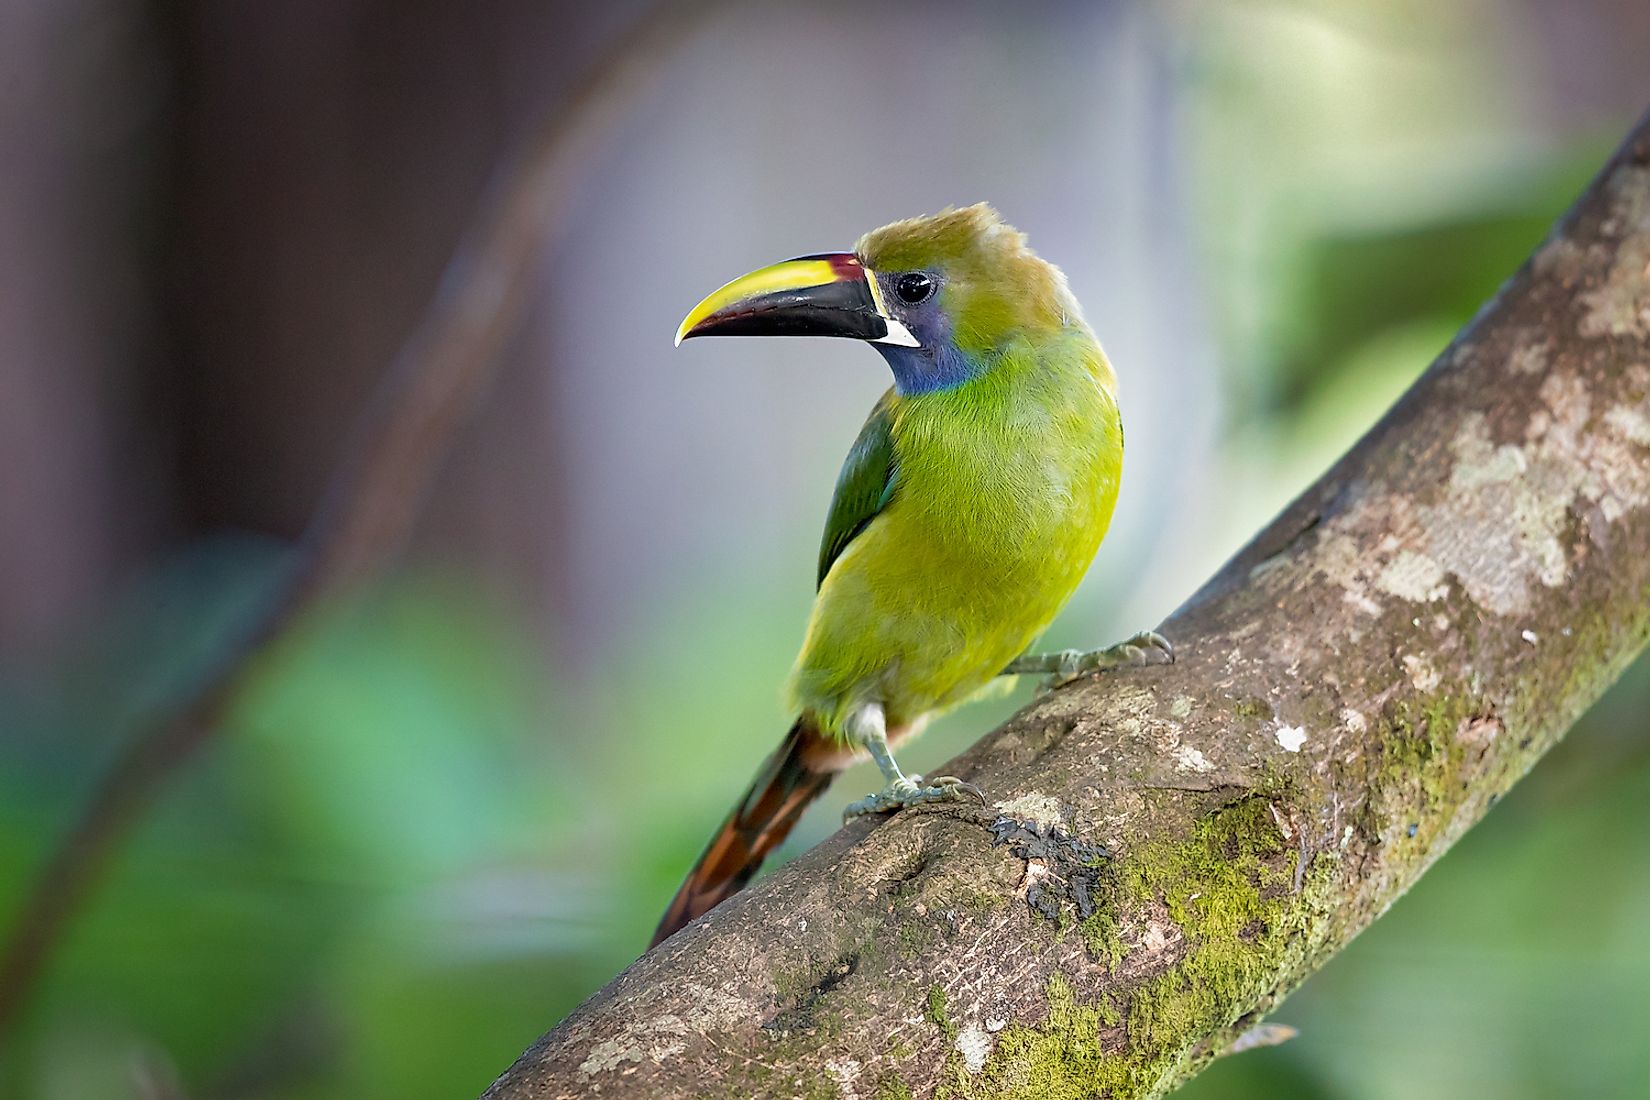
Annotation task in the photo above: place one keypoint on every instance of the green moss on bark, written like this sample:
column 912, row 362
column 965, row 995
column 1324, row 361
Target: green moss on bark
column 892, row 1088
column 1065, row 1059
column 1229, row 892
column 938, row 1015
column 1104, row 938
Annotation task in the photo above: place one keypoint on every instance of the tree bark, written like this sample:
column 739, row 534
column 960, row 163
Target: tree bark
column 1174, row 849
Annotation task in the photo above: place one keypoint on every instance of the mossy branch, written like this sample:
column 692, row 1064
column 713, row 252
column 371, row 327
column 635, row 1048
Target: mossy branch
column 1353, row 692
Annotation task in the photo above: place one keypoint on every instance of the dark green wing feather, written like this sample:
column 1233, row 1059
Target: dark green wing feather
column 864, row 486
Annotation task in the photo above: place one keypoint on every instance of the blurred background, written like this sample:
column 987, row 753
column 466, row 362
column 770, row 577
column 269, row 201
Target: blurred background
column 453, row 804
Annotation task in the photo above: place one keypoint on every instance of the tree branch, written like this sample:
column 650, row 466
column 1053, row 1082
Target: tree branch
column 1353, row 691
column 399, row 445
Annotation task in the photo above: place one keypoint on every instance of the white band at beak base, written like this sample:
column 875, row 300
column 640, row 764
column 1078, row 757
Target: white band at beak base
column 898, row 334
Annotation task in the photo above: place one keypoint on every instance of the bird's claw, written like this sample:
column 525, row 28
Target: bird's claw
column 1145, row 648
column 1148, row 648
column 910, row 792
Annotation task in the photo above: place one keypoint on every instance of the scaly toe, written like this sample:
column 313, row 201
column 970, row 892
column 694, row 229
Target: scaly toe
column 947, row 792
column 1153, row 647
column 878, row 803
column 1069, row 662
column 898, row 795
column 961, row 786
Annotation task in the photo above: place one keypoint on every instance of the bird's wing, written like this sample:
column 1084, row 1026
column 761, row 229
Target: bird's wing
column 864, row 486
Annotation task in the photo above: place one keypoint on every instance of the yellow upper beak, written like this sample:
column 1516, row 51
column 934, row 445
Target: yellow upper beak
column 831, row 294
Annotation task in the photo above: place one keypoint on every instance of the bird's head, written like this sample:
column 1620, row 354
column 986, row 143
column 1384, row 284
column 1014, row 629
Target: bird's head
column 941, row 297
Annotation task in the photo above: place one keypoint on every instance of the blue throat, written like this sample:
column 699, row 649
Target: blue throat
column 929, row 368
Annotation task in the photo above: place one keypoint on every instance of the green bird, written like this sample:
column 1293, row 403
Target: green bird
column 966, row 513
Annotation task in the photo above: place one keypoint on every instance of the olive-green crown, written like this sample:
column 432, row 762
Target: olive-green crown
column 994, row 284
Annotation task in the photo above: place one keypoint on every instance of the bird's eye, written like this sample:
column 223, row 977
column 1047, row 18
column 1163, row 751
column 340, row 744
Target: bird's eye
column 914, row 288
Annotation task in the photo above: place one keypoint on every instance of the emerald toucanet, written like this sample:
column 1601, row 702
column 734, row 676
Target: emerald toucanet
column 967, row 511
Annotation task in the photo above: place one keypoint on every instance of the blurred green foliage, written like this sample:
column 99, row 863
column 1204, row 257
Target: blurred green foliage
column 421, row 842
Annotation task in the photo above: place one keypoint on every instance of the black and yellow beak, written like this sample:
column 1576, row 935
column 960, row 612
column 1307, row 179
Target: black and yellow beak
column 831, row 294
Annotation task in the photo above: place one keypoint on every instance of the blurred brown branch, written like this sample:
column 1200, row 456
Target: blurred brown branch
column 1177, row 848
column 373, row 499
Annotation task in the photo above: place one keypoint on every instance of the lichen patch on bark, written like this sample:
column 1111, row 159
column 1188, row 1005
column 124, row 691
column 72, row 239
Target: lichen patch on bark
column 1621, row 306
column 975, row 1044
column 1035, row 806
column 1499, row 526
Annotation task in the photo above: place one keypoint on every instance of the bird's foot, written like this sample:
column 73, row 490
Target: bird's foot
column 905, row 792
column 1146, row 648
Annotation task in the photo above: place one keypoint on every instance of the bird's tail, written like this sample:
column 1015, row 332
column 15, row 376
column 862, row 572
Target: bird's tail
column 797, row 773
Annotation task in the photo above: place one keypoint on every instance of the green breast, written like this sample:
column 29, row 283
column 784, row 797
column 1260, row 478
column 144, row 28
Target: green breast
column 1002, row 491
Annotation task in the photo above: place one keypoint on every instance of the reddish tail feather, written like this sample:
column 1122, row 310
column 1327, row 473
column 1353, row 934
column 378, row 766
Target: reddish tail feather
column 797, row 773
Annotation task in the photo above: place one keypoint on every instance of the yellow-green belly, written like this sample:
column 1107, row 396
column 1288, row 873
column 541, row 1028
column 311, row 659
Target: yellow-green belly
column 1002, row 501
